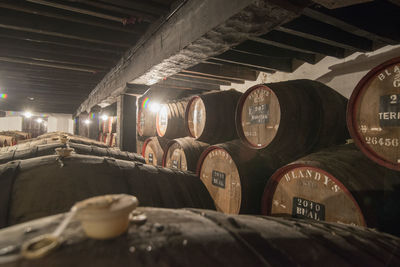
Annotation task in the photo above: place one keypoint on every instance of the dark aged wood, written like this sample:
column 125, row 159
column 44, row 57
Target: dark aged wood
column 341, row 184
column 373, row 116
column 153, row 150
column 40, row 187
column 170, row 119
column 210, row 117
column 293, row 117
column 237, row 19
column 43, row 149
column 126, row 123
column 235, row 175
column 183, row 153
column 190, row 84
column 207, row 238
column 198, row 79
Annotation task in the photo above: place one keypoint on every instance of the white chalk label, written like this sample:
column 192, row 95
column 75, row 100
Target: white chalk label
column 307, row 209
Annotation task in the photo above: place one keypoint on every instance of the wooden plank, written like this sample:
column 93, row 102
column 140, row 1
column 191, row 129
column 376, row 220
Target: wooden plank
column 322, row 32
column 292, row 41
column 250, row 60
column 189, row 84
column 210, row 78
column 224, row 71
column 198, row 79
column 257, row 48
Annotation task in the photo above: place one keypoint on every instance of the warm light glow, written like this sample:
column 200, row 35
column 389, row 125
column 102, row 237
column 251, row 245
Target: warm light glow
column 104, row 117
column 154, row 107
column 27, row 114
column 87, row 121
column 39, row 120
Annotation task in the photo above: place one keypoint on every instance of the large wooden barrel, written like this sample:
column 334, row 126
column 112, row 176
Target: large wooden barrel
column 235, row 175
column 49, row 149
column 183, row 153
column 199, row 238
column 42, row 186
column 373, row 115
column 338, row 184
column 300, row 115
column 146, row 122
column 210, row 117
column 72, row 139
column 153, row 150
column 170, row 120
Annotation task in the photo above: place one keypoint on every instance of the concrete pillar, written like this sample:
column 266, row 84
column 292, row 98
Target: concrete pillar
column 126, row 122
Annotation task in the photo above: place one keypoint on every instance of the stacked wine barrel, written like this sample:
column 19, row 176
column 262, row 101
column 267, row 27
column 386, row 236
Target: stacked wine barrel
column 10, row 138
column 107, row 131
column 47, row 185
column 170, row 121
column 192, row 237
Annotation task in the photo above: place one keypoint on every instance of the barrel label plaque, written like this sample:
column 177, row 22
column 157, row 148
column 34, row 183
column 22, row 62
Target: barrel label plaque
column 151, row 158
column 218, row 179
column 389, row 110
column 307, row 209
column 312, row 193
column 374, row 111
column 258, row 114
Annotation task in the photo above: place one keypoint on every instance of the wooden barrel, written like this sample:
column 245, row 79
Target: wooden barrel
column 153, row 150
column 72, row 139
column 210, row 117
column 146, row 125
column 299, row 115
column 338, row 184
column 200, row 238
column 49, row 149
column 7, row 140
column 373, row 115
column 183, row 153
column 235, row 175
column 42, row 186
column 170, row 120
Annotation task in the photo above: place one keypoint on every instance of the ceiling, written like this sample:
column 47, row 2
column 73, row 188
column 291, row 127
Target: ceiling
column 54, row 52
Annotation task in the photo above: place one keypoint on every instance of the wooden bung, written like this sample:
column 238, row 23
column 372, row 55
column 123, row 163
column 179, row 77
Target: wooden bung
column 338, row 184
column 210, row 117
column 373, row 114
column 183, row 153
column 300, row 115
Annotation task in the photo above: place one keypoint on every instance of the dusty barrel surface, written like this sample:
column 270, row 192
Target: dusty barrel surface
column 210, row 117
column 6, row 140
column 300, row 115
column 42, row 186
column 338, row 184
column 146, row 125
column 235, row 176
column 49, row 137
column 207, row 238
column 183, row 153
column 373, row 115
column 170, row 120
column 153, row 150
column 49, row 149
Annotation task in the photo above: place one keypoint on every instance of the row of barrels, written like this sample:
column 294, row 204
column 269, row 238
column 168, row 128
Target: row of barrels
column 267, row 115
column 10, row 138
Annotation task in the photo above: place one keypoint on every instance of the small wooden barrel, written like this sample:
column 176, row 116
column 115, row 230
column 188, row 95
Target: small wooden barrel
column 153, row 150
column 338, row 184
column 210, row 117
column 146, row 125
column 170, row 120
column 373, row 115
column 183, row 153
column 42, row 186
column 201, row 238
column 299, row 115
column 235, row 175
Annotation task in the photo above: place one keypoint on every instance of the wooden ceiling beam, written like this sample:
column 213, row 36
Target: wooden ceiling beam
column 198, row 79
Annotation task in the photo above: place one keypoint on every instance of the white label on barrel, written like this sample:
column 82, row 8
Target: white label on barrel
column 150, row 157
column 218, row 178
column 314, row 187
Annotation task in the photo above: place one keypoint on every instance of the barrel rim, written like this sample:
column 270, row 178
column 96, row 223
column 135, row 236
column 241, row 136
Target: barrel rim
column 203, row 156
column 187, row 116
column 238, row 115
column 157, row 119
column 145, row 143
column 351, row 120
column 273, row 181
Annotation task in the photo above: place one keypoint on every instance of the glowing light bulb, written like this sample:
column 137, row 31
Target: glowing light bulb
column 104, row 117
column 87, row 122
column 27, row 114
column 154, row 107
column 39, row 120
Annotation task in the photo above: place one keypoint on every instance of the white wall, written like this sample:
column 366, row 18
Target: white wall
column 60, row 122
column 339, row 74
column 11, row 123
